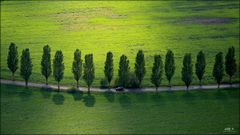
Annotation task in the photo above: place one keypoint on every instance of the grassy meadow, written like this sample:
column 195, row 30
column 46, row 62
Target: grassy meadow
column 34, row 110
column 122, row 27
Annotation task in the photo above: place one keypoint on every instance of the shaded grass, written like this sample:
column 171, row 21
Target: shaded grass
column 193, row 112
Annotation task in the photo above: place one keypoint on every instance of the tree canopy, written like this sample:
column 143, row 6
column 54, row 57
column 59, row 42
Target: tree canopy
column 157, row 70
column 169, row 66
column 26, row 65
column 12, row 59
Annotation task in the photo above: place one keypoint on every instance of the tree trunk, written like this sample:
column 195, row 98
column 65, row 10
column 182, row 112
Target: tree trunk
column 88, row 89
column 12, row 76
column 187, row 88
column 231, row 81
column 109, row 86
column 156, row 89
column 46, row 81
column 200, row 83
column 77, row 84
column 140, row 82
column 58, row 87
column 218, row 85
column 169, row 85
column 26, row 83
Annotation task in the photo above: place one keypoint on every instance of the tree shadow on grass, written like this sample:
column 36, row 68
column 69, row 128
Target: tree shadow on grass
column 89, row 100
column 125, row 101
column 46, row 92
column 58, row 99
column 171, row 95
column 157, row 98
column 188, row 97
column 77, row 95
column 233, row 93
column 25, row 94
column 141, row 97
column 10, row 92
column 202, row 94
column 221, row 95
column 110, row 96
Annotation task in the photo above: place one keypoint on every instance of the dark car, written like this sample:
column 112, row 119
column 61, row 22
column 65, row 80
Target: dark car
column 119, row 89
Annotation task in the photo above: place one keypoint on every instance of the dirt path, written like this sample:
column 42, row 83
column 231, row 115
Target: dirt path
column 174, row 88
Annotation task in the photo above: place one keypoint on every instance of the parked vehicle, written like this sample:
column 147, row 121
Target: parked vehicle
column 119, row 89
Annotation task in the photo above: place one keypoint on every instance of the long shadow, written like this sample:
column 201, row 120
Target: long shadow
column 221, row 95
column 25, row 94
column 10, row 92
column 77, row 95
column 58, row 99
column 233, row 93
column 46, row 92
column 89, row 100
column 125, row 101
column 157, row 99
column 109, row 95
column 202, row 94
column 188, row 97
column 171, row 96
column 141, row 97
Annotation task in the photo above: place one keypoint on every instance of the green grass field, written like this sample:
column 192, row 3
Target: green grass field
column 122, row 27
column 33, row 110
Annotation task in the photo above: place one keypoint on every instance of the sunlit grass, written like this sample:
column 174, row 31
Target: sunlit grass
column 121, row 27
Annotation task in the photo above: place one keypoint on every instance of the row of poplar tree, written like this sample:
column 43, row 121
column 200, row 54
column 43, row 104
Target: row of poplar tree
column 124, row 68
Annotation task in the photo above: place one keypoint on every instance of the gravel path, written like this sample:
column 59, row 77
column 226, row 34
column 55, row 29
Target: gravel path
column 174, row 88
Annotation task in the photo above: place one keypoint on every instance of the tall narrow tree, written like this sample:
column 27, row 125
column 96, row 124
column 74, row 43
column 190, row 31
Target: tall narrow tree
column 218, row 68
column 123, row 72
column 157, row 70
column 187, row 70
column 46, row 63
column 12, row 59
column 169, row 66
column 230, row 63
column 200, row 66
column 140, row 66
column 58, row 67
column 108, row 68
column 26, row 66
column 89, row 70
column 77, row 66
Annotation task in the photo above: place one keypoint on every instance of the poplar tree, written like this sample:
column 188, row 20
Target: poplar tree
column 157, row 70
column 26, row 66
column 200, row 66
column 77, row 66
column 169, row 66
column 230, row 63
column 46, row 63
column 108, row 68
column 140, row 66
column 187, row 70
column 89, row 70
column 58, row 67
column 123, row 72
column 12, row 59
column 218, row 68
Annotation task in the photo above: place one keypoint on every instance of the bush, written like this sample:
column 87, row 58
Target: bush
column 133, row 81
column 104, row 83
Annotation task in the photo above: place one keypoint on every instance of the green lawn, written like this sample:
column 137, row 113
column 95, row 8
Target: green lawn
column 122, row 27
column 33, row 110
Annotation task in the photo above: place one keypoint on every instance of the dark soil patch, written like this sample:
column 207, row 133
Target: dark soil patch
column 207, row 21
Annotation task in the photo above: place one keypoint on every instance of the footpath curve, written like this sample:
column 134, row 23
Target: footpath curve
column 65, row 88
